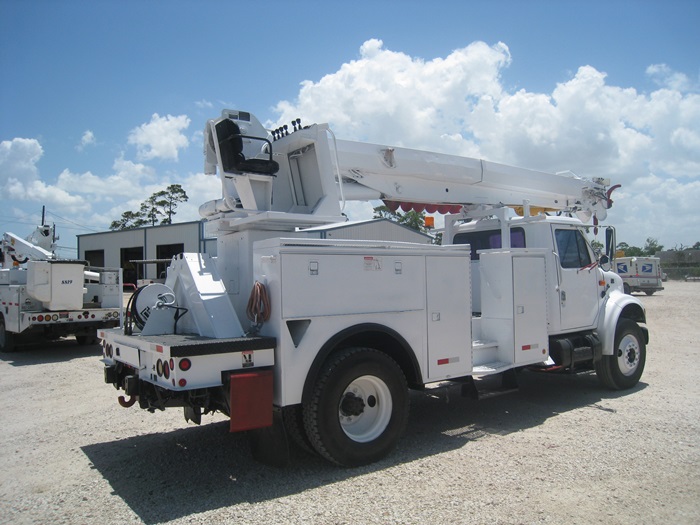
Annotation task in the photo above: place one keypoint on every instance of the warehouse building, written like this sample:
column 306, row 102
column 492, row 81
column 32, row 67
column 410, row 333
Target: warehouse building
column 143, row 253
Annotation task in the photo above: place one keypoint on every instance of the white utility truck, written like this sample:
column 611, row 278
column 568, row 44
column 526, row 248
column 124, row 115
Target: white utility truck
column 640, row 274
column 43, row 297
column 320, row 340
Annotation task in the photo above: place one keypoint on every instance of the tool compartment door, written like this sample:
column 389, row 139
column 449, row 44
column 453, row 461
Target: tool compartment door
column 448, row 313
column 530, row 310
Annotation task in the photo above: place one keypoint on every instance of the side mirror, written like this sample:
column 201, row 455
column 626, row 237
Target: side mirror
column 610, row 242
column 604, row 263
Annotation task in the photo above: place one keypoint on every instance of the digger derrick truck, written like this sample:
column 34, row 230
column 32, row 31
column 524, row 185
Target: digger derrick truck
column 43, row 297
column 318, row 341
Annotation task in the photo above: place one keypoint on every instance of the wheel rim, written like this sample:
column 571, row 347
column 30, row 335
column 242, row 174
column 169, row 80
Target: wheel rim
column 365, row 409
column 628, row 355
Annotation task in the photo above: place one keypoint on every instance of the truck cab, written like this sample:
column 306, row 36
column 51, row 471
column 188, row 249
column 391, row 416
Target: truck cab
column 583, row 300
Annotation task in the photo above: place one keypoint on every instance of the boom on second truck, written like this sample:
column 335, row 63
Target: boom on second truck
column 319, row 340
column 43, row 297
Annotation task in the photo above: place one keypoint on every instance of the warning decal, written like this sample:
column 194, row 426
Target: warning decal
column 372, row 264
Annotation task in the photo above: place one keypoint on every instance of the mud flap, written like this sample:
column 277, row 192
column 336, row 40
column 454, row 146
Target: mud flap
column 251, row 400
column 270, row 445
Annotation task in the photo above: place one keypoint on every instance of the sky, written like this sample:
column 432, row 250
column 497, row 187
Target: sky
column 103, row 103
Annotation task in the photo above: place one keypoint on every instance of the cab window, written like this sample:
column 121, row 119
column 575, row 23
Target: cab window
column 572, row 248
column 489, row 240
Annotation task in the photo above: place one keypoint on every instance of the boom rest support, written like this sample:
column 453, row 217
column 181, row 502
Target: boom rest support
column 231, row 148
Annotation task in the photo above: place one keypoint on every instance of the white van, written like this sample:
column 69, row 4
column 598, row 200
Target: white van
column 640, row 274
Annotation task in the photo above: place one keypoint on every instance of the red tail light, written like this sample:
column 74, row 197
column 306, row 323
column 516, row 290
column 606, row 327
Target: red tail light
column 185, row 364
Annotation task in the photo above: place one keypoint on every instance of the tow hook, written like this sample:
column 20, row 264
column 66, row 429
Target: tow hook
column 127, row 403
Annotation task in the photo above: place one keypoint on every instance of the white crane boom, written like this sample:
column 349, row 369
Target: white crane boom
column 415, row 178
column 17, row 250
column 300, row 177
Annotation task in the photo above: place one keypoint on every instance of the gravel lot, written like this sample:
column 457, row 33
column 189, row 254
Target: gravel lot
column 562, row 450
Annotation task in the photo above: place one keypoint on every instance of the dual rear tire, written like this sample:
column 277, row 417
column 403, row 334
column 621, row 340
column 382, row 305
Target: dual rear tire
column 358, row 407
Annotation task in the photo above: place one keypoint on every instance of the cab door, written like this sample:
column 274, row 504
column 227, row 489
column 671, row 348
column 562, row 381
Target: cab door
column 578, row 279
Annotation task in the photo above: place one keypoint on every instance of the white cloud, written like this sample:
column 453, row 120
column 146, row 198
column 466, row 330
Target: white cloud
column 200, row 188
column 457, row 104
column 18, row 159
column 39, row 191
column 388, row 96
column 203, row 104
column 666, row 77
column 161, row 138
column 126, row 180
column 88, row 139
column 132, row 173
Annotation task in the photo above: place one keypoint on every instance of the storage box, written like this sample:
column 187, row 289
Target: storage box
column 57, row 284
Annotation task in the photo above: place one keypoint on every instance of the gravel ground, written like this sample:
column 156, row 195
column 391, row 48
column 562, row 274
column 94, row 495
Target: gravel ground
column 562, row 450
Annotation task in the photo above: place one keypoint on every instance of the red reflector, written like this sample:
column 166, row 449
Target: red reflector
column 166, row 371
column 172, row 364
column 159, row 348
column 182, row 382
column 185, row 364
column 443, row 361
column 251, row 400
column 40, row 318
column 527, row 347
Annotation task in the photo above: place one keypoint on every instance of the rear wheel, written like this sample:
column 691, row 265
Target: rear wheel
column 624, row 368
column 293, row 419
column 7, row 339
column 358, row 409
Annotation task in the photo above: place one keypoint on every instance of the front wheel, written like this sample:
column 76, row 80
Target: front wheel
column 358, row 409
column 624, row 368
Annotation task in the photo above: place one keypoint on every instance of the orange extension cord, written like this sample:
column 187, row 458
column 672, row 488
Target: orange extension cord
column 258, row 309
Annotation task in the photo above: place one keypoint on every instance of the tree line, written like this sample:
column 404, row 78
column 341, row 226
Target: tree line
column 159, row 208
column 651, row 247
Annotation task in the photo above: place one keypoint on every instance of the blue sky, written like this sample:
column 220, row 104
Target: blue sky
column 103, row 103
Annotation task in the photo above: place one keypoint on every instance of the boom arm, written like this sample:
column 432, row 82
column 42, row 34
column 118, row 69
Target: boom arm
column 303, row 174
column 16, row 249
column 420, row 180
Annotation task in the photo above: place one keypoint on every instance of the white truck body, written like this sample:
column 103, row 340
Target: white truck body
column 338, row 330
column 42, row 297
column 640, row 274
